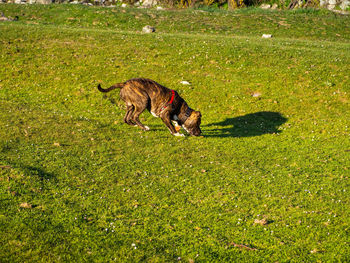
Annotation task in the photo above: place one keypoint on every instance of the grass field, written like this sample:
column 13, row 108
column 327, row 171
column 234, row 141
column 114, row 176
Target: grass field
column 267, row 182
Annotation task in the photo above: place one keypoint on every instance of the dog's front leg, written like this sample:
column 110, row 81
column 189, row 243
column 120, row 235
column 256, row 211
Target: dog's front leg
column 166, row 119
column 176, row 125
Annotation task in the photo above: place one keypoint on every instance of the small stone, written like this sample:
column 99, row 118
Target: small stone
column 43, row 2
column 4, row 18
column 274, row 7
column 149, row 3
column 148, row 29
column 256, row 94
column 265, row 6
column 25, row 205
column 344, row 5
column 184, row 82
column 261, row 222
column 266, row 36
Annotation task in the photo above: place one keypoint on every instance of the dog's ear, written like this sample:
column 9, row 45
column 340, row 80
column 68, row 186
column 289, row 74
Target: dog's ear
column 195, row 115
column 198, row 114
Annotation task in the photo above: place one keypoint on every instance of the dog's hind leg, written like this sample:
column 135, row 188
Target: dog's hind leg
column 135, row 118
column 129, row 111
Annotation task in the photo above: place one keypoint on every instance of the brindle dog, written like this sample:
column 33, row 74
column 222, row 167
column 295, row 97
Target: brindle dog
column 140, row 94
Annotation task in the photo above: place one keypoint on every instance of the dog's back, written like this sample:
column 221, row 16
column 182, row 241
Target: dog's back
column 143, row 86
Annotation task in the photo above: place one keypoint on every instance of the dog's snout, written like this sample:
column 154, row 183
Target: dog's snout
column 197, row 133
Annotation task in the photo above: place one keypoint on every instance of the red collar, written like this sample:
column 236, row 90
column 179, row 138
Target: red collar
column 169, row 102
column 172, row 97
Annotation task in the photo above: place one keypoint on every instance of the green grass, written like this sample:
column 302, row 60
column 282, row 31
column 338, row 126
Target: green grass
column 99, row 190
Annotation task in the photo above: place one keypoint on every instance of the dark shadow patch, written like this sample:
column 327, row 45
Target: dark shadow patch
column 42, row 174
column 28, row 170
column 253, row 124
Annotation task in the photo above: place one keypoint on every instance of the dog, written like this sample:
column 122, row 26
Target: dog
column 140, row 94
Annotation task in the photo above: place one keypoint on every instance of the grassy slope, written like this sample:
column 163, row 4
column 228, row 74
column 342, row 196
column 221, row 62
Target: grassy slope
column 99, row 188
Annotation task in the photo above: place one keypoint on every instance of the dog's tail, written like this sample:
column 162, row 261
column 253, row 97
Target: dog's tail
column 115, row 86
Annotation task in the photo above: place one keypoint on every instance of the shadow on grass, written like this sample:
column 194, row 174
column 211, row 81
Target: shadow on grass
column 42, row 174
column 253, row 124
column 29, row 170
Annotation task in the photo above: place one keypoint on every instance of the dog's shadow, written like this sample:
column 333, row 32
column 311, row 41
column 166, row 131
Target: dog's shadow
column 253, row 124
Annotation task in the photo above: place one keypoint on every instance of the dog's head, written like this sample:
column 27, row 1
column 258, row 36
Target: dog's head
column 192, row 123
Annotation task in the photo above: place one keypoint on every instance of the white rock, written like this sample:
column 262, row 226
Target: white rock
column 149, row 3
column 160, row 8
column 266, row 36
column 184, row 82
column 265, row 6
column 323, row 3
column 331, row 4
column 124, row 5
column 148, row 29
column 256, row 94
column 344, row 5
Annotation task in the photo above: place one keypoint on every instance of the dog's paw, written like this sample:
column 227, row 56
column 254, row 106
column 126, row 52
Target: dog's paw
column 179, row 134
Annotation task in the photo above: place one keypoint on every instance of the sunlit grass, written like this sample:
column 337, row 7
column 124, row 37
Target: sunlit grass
column 267, row 182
